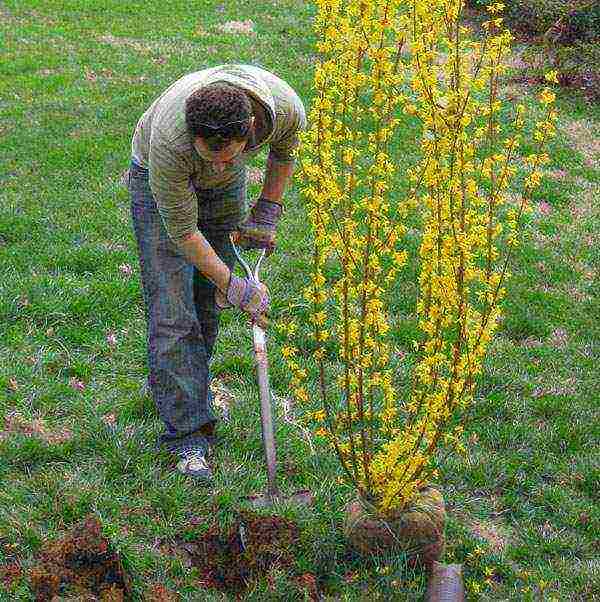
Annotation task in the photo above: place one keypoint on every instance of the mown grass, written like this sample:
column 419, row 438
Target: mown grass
column 75, row 77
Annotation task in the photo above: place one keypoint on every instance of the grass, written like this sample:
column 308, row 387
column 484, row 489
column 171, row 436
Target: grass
column 76, row 76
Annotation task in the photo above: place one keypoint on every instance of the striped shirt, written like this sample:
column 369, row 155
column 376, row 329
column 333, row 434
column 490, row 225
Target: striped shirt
column 162, row 145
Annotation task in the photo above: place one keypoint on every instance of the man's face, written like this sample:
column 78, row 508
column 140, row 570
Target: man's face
column 220, row 159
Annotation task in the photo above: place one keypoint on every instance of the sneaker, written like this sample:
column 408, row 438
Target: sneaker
column 193, row 462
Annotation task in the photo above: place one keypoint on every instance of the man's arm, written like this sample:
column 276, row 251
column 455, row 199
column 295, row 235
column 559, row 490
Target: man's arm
column 177, row 204
column 277, row 177
column 199, row 252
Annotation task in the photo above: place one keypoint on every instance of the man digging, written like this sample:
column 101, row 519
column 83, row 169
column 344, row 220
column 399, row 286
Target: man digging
column 187, row 182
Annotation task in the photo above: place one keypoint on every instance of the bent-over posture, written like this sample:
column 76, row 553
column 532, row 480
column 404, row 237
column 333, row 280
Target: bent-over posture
column 187, row 182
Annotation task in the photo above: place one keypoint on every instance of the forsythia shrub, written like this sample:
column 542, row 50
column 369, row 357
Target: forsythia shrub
column 383, row 64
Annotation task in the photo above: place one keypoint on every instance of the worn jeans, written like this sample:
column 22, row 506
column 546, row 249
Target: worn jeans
column 181, row 315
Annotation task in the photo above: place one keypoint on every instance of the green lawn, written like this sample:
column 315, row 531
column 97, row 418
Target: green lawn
column 77, row 432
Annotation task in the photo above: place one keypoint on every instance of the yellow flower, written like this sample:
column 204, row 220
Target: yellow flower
column 552, row 76
column 288, row 351
column 547, row 97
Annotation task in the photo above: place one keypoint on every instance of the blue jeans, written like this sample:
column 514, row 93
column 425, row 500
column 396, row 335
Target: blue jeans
column 181, row 316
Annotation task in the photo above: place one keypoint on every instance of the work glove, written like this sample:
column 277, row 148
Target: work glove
column 245, row 294
column 258, row 231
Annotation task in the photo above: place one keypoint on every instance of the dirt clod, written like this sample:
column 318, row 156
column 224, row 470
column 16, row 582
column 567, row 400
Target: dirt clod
column 159, row 593
column 10, row 573
column 82, row 561
column 252, row 547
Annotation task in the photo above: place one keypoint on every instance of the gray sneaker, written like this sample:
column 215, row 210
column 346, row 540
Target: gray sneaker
column 193, row 462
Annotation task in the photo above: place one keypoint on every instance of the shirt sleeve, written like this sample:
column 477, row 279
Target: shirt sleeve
column 170, row 182
column 286, row 141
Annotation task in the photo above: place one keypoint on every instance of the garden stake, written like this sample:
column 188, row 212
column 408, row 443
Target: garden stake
column 260, row 353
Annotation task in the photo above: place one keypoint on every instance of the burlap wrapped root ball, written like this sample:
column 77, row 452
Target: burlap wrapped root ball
column 418, row 530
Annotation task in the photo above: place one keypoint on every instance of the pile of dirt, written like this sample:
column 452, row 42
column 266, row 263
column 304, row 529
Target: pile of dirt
column 229, row 561
column 82, row 563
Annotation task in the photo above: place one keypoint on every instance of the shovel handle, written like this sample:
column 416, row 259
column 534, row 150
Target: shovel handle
column 262, row 372
column 266, row 418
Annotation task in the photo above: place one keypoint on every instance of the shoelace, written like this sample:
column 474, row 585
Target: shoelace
column 195, row 456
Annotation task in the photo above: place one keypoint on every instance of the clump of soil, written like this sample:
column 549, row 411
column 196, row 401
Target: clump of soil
column 81, row 562
column 254, row 545
column 10, row 573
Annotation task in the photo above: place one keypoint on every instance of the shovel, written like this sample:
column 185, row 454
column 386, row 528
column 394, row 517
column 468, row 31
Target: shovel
column 272, row 495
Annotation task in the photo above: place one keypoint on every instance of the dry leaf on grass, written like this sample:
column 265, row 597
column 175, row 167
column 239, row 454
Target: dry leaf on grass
column 585, row 139
column 223, row 398
column 491, row 533
column 243, row 27
column 200, row 31
column 109, row 419
column 126, row 269
column 76, row 384
column 16, row 423
column 159, row 593
column 255, row 175
column 544, row 208
column 559, row 338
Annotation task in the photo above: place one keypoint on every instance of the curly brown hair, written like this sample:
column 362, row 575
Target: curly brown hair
column 217, row 104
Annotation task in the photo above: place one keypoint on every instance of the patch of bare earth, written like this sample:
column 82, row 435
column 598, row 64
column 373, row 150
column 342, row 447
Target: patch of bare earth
column 223, row 398
column 584, row 204
column 238, row 27
column 16, row 423
column 148, row 47
column 494, row 535
column 159, row 593
column 231, row 561
column 81, row 563
column 585, row 138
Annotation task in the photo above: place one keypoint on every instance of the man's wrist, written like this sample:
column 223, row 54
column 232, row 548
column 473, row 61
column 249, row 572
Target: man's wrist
column 277, row 205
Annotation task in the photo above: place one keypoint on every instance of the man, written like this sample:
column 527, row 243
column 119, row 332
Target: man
column 187, row 182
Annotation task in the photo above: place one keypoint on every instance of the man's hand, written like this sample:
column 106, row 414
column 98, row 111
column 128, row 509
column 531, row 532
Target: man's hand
column 258, row 231
column 249, row 296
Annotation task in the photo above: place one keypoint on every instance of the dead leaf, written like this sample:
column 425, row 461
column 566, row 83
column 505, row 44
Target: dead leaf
column 126, row 269
column 159, row 593
column 12, row 384
column 109, row 419
column 15, row 423
column 243, row 27
column 559, row 338
column 200, row 31
column 223, row 398
column 90, row 75
column 255, row 175
column 10, row 574
column 76, row 384
column 544, row 208
column 491, row 533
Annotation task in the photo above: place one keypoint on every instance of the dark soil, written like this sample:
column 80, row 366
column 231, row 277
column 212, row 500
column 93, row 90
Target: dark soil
column 81, row 562
column 255, row 544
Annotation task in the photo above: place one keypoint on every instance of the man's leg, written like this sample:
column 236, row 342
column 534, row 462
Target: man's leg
column 220, row 212
column 204, row 293
column 177, row 351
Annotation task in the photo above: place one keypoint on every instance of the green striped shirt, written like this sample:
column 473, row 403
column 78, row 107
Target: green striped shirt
column 162, row 144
